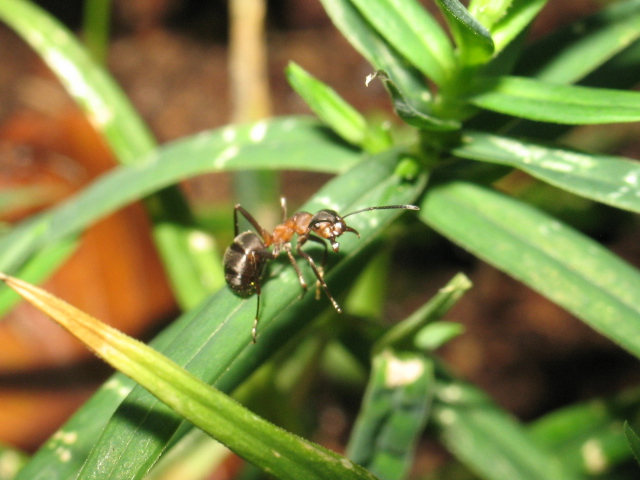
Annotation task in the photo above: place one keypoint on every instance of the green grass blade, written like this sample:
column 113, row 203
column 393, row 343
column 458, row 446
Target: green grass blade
column 619, row 72
column 95, row 91
column 634, row 441
column 95, row 28
column 397, row 402
column 474, row 41
column 407, row 334
column 487, row 439
column 271, row 448
column 288, row 143
column 64, row 453
column 330, row 107
column 218, row 348
column 413, row 32
column 410, row 113
column 589, row 436
column 569, row 54
column 604, row 178
column 214, row 341
column 366, row 40
column 547, row 102
column 590, row 52
column 394, row 411
column 111, row 114
column 488, row 12
column 565, row 266
column 519, row 15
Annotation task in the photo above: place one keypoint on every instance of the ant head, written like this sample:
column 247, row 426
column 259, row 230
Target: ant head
column 328, row 224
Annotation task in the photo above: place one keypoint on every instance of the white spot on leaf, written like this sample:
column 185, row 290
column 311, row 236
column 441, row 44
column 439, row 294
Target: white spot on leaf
column 452, row 393
column 594, row 458
column 229, row 134
column 258, row 132
column 403, row 372
column 346, row 463
column 200, row 242
column 118, row 387
column 226, row 155
column 556, row 166
column 632, row 178
column 64, row 454
column 100, row 114
column 447, row 416
column 10, row 463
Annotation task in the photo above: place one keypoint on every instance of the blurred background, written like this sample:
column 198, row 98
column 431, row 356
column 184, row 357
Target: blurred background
column 172, row 59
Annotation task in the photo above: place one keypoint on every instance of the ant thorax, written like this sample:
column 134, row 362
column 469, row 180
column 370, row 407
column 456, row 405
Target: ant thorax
column 296, row 224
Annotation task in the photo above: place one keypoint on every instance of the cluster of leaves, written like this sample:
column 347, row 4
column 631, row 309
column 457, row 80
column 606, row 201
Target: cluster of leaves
column 456, row 96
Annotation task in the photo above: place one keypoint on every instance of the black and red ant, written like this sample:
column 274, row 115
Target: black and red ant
column 245, row 259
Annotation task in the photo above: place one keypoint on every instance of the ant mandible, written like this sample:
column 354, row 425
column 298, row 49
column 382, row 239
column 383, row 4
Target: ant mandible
column 245, row 259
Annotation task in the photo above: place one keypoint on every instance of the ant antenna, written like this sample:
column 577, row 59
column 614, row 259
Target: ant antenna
column 386, row 207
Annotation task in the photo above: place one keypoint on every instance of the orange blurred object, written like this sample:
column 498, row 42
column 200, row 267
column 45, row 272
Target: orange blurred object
column 114, row 275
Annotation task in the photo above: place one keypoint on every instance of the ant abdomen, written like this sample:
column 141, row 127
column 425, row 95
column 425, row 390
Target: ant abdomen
column 244, row 262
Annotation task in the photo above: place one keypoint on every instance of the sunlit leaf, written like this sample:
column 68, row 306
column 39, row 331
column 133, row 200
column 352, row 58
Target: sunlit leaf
column 604, row 178
column 548, row 102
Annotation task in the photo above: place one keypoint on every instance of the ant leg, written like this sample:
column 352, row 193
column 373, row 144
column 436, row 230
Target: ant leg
column 254, row 330
column 292, row 259
column 319, row 276
column 263, row 233
column 324, row 261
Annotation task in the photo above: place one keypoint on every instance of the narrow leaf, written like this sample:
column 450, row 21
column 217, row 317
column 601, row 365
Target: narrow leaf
column 366, row 40
column 394, row 411
column 588, row 436
column 397, row 402
column 413, row 32
column 214, row 340
column 488, row 12
column 410, row 113
column 611, row 180
column 591, row 51
column 405, row 334
column 113, row 116
column 63, row 454
column 634, row 441
column 274, row 450
column 95, row 91
column 570, row 53
column 487, row 439
column 437, row 334
column 330, row 107
column 547, row 102
column 520, row 14
column 474, row 40
column 294, row 143
column 568, row 268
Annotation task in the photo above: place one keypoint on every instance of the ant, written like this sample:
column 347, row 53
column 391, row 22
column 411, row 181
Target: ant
column 245, row 259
